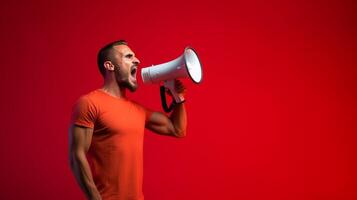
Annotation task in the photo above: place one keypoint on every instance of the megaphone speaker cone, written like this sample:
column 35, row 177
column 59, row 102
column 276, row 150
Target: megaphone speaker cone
column 193, row 64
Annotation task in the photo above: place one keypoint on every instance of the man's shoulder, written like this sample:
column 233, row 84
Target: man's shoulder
column 85, row 110
column 89, row 98
column 92, row 94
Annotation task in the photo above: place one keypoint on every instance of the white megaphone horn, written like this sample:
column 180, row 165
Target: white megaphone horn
column 187, row 65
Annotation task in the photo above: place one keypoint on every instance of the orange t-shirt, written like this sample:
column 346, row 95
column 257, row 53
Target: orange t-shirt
column 116, row 151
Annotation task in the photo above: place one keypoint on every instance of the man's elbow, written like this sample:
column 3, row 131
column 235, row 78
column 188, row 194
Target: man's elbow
column 180, row 133
column 73, row 158
column 71, row 161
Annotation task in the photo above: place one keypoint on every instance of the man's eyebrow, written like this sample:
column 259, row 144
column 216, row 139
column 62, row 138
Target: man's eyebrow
column 129, row 54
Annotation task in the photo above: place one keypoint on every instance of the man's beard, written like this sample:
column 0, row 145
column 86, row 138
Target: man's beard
column 128, row 85
column 123, row 80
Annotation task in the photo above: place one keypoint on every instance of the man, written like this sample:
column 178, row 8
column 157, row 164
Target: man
column 107, row 129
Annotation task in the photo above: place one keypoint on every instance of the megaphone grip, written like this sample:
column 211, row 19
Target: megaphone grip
column 163, row 100
column 170, row 84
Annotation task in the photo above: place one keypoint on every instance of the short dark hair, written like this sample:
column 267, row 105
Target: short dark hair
column 105, row 54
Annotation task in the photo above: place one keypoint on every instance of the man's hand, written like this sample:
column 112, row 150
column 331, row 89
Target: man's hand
column 179, row 88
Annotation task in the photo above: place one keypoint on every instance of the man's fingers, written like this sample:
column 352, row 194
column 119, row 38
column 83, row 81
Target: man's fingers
column 179, row 88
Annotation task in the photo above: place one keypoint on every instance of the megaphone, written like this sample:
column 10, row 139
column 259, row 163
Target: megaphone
column 187, row 65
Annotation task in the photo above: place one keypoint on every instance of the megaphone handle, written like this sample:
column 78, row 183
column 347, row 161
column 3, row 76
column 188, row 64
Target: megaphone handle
column 163, row 100
column 170, row 84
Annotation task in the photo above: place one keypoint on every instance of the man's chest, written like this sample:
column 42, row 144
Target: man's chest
column 120, row 119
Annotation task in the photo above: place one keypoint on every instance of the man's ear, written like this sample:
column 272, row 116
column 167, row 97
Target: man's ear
column 108, row 65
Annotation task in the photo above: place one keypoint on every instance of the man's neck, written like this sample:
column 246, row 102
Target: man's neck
column 112, row 88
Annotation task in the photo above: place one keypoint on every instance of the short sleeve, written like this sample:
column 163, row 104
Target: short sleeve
column 84, row 113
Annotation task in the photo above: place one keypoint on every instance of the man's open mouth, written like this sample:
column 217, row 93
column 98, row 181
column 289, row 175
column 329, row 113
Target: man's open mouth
column 133, row 71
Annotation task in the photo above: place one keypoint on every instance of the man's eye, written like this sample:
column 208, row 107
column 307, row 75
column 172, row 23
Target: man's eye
column 129, row 56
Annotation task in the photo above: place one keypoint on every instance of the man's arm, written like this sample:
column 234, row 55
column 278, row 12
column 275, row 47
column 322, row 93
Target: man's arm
column 176, row 124
column 79, row 141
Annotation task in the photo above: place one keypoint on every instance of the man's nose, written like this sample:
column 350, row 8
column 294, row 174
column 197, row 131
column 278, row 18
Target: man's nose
column 136, row 61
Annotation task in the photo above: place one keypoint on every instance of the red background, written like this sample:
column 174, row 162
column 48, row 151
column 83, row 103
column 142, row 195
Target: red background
column 275, row 117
